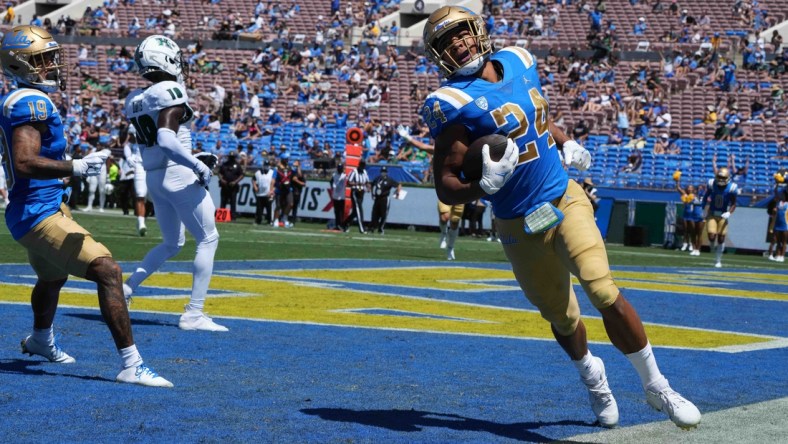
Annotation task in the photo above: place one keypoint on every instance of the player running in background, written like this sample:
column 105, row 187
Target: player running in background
column 449, row 216
column 177, row 180
column 34, row 147
column 780, row 224
column 692, row 216
column 546, row 224
column 132, row 152
column 720, row 202
column 97, row 183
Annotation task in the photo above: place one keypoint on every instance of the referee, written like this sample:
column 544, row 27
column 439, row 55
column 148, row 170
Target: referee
column 358, row 181
column 381, row 189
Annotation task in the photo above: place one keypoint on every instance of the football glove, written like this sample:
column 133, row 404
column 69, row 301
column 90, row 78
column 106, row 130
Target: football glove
column 90, row 165
column 403, row 132
column 496, row 174
column 203, row 173
column 726, row 215
column 576, row 156
column 208, row 159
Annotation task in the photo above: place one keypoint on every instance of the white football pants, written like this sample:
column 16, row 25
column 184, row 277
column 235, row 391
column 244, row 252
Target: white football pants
column 181, row 202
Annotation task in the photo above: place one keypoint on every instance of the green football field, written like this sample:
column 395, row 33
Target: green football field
column 242, row 240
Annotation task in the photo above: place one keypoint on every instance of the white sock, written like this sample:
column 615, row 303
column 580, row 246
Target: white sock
column 130, row 356
column 720, row 249
column 141, row 221
column 202, row 269
column 646, row 366
column 44, row 335
column 587, row 367
column 453, row 233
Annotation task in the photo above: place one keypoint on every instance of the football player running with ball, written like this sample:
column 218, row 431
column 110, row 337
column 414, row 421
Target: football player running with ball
column 33, row 143
column 176, row 179
column 544, row 221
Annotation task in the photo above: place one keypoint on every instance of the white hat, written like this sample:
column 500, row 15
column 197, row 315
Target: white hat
column 642, row 19
column 664, row 135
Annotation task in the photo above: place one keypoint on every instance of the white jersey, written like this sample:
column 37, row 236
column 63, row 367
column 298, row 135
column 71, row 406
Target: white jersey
column 142, row 110
column 264, row 181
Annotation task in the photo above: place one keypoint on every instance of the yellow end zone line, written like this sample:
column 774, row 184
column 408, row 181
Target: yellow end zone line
column 772, row 341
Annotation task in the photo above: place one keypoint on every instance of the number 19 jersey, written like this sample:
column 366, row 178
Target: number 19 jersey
column 32, row 200
column 513, row 107
column 142, row 109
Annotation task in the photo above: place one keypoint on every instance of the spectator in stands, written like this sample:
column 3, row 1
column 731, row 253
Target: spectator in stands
column 661, row 144
column 581, row 130
column 634, row 162
column 640, row 27
column 614, row 137
column 710, row 118
column 782, row 148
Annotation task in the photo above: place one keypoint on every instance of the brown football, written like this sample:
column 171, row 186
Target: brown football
column 472, row 163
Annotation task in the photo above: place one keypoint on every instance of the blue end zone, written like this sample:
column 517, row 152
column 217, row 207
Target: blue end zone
column 281, row 382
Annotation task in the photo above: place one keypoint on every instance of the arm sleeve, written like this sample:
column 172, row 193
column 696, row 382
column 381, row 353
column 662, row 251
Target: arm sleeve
column 173, row 149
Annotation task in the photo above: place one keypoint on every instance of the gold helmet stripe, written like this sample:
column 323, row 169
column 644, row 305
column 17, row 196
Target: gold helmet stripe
column 452, row 96
column 523, row 54
column 17, row 96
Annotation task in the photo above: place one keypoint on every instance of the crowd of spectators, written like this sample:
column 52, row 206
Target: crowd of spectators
column 328, row 82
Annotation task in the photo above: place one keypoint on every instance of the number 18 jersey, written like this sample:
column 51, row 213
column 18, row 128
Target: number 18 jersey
column 142, row 109
column 513, row 107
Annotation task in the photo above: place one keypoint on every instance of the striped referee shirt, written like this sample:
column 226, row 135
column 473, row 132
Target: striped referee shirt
column 358, row 181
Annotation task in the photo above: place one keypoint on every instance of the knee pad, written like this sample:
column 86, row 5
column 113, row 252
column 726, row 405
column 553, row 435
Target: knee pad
column 565, row 325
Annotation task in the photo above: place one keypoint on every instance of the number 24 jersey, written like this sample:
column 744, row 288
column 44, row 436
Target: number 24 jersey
column 513, row 107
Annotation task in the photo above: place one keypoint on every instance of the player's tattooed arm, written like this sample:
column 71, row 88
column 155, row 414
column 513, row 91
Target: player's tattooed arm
column 558, row 134
column 450, row 148
column 28, row 163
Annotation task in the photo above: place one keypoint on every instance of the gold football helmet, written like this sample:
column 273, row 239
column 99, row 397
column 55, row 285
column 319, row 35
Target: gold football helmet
column 442, row 26
column 32, row 57
column 723, row 177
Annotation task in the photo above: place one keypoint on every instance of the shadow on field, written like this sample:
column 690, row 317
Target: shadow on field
column 98, row 317
column 414, row 421
column 22, row 367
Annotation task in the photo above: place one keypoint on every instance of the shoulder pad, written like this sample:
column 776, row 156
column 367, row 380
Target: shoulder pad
column 442, row 107
column 734, row 189
column 28, row 106
column 521, row 55
column 166, row 94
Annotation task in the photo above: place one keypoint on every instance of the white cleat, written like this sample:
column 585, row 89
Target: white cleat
column 718, row 265
column 684, row 247
column 53, row 352
column 142, row 375
column 143, row 230
column 450, row 254
column 682, row 412
column 772, row 258
column 197, row 320
column 780, row 259
column 602, row 401
column 695, row 253
column 443, row 242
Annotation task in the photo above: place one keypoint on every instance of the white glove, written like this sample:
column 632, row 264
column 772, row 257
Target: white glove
column 576, row 156
column 403, row 132
column 496, row 174
column 203, row 173
column 90, row 165
column 726, row 215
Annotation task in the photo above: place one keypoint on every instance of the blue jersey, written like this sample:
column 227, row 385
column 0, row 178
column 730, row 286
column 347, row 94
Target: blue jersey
column 693, row 208
column 719, row 198
column 780, row 222
column 32, row 200
column 513, row 107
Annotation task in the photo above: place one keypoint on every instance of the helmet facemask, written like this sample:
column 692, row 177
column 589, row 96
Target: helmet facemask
column 722, row 178
column 45, row 71
column 472, row 34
